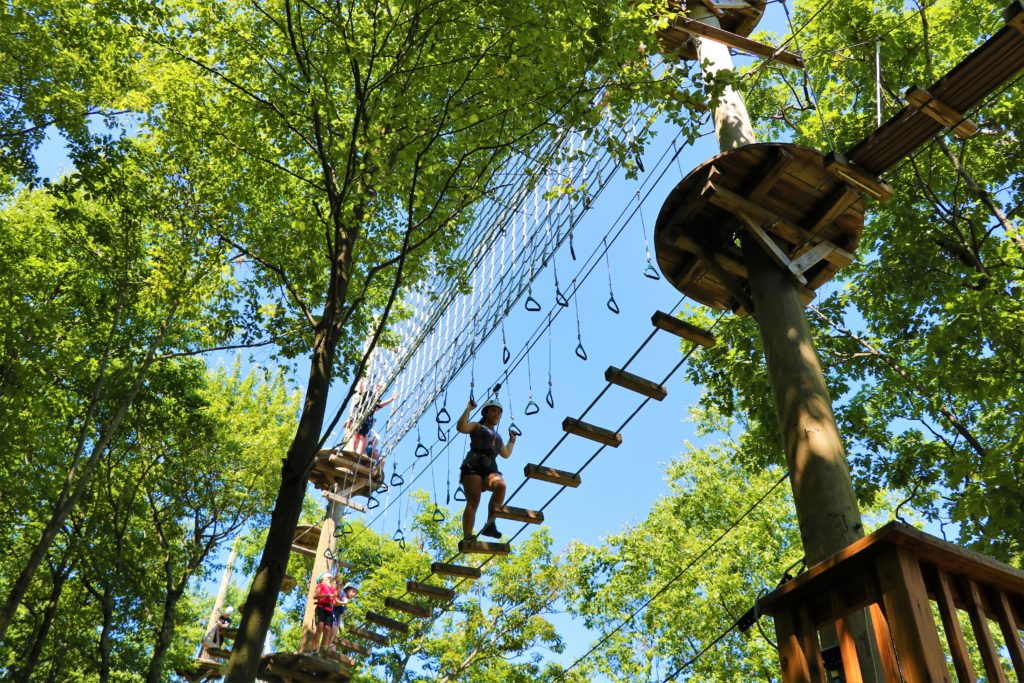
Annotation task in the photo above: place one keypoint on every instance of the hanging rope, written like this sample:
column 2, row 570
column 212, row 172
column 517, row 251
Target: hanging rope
column 550, row 398
column 531, row 407
column 649, row 271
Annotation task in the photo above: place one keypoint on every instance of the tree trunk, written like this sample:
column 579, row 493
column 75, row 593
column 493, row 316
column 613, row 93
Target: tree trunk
column 107, row 603
column 164, row 635
column 31, row 658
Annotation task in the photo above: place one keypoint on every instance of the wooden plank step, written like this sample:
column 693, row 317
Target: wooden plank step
column 407, row 607
column 680, row 328
column 338, row 657
column 457, row 570
column 738, row 42
column 552, row 475
column 592, row 432
column 372, row 636
column 628, row 380
column 387, row 622
column 519, row 515
column 484, row 548
column 430, row 591
column 219, row 652
column 347, row 502
column 353, row 646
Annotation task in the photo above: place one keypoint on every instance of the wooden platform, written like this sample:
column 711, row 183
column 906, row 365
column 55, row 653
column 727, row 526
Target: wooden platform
column 896, row 574
column 592, row 432
column 682, row 329
column 353, row 474
column 202, row 670
column 981, row 73
column 289, row 667
column 739, row 18
column 429, row 590
column 773, row 192
column 306, row 539
column 641, row 385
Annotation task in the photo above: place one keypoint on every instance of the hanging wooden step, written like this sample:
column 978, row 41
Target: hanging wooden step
column 430, row 590
column 353, row 646
column 680, row 328
column 939, row 111
column 407, row 607
column 338, row 657
column 698, row 28
column 372, row 636
column 519, row 515
column 592, row 432
column 387, row 622
column 483, row 548
column 550, row 474
column 628, row 380
column 347, row 502
column 455, row 570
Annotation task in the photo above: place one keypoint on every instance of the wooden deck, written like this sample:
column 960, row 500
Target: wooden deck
column 350, row 473
column 294, row 667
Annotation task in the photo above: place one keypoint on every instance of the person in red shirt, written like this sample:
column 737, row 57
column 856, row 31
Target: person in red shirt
column 326, row 599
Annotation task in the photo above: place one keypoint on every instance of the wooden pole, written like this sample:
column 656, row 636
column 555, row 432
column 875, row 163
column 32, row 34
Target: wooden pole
column 222, row 592
column 826, row 506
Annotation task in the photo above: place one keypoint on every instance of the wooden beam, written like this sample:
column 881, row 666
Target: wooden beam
column 303, row 550
column 430, row 591
column 456, row 570
column 1014, row 15
column 347, row 502
column 410, row 608
column 483, row 548
column 1008, row 624
column 983, row 634
column 372, row 636
column 519, row 515
column 841, row 168
column 847, row 646
column 640, row 385
column 680, row 328
column 338, row 657
column 951, row 625
column 592, row 432
column 218, row 652
column 766, row 181
column 353, row 646
column 940, row 112
column 776, row 254
column 738, row 42
column 552, row 475
column 387, row 622
column 716, row 264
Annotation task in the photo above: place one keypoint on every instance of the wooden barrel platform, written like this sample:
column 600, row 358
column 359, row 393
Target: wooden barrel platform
column 354, row 474
column 780, row 193
column 736, row 17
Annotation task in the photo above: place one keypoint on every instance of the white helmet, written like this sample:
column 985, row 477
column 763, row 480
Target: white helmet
column 229, row 610
column 492, row 403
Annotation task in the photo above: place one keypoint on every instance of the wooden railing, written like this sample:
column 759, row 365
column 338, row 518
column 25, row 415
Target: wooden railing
column 909, row 589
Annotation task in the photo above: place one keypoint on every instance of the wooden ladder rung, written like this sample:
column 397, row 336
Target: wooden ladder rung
column 592, row 432
column 353, row 646
column 856, row 177
column 628, row 380
column 372, row 636
column 519, row 515
column 338, row 657
column 940, row 112
column 680, row 328
column 550, row 474
column 347, row 502
column 456, row 570
column 484, row 548
column 407, row 607
column 430, row 590
column 387, row 622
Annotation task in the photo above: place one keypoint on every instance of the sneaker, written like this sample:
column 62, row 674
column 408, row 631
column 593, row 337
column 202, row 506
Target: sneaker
column 490, row 530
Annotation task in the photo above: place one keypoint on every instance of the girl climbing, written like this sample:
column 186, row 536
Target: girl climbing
column 479, row 471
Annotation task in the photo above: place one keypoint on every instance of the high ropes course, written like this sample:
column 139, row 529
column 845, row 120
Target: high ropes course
column 754, row 230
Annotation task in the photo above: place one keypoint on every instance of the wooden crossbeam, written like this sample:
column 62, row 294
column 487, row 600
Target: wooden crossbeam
column 303, row 550
column 1014, row 15
column 841, row 168
column 353, row 646
column 766, row 181
column 592, row 432
column 680, row 328
column 483, row 548
column 430, row 591
column 339, row 657
column 552, row 475
column 738, row 42
column 719, row 265
column 372, row 636
column 455, row 570
column 777, row 255
column 518, row 515
column 387, row 622
column 347, row 502
column 640, row 385
column 218, row 652
column 410, row 608
column 940, row 112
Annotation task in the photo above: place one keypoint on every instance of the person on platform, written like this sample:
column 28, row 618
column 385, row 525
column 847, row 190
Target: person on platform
column 348, row 594
column 479, row 470
column 326, row 598
column 362, row 436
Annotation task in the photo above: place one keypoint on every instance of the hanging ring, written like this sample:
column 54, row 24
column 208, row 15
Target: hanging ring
column 581, row 352
column 346, row 528
column 640, row 163
column 651, row 272
column 372, row 503
column 531, row 408
column 572, row 248
column 397, row 479
column 532, row 305
column 421, row 451
column 460, row 495
column 441, row 435
column 560, row 299
column 438, row 515
column 399, row 538
column 383, row 488
column 443, row 417
column 514, row 429
column 612, row 306
column 550, row 399
column 328, row 555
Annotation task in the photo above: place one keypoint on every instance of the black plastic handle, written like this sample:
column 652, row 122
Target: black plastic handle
column 441, row 435
column 612, row 305
column 514, row 429
column 550, row 399
column 443, row 417
column 532, row 305
column 399, row 538
column 421, row 451
column 581, row 352
column 438, row 516
column 460, row 495
column 531, row 408
column 383, row 488
column 372, row 503
column 397, row 479
column 505, row 355
column 560, row 299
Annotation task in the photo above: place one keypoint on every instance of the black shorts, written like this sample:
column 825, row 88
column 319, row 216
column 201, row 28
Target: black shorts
column 478, row 464
column 326, row 616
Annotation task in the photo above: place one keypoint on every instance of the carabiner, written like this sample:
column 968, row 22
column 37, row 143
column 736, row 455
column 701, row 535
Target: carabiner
column 421, row 451
column 438, row 516
column 513, row 429
column 581, row 352
column 651, row 272
column 459, row 492
column 531, row 408
column 397, row 479
column 532, row 305
column 612, row 306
